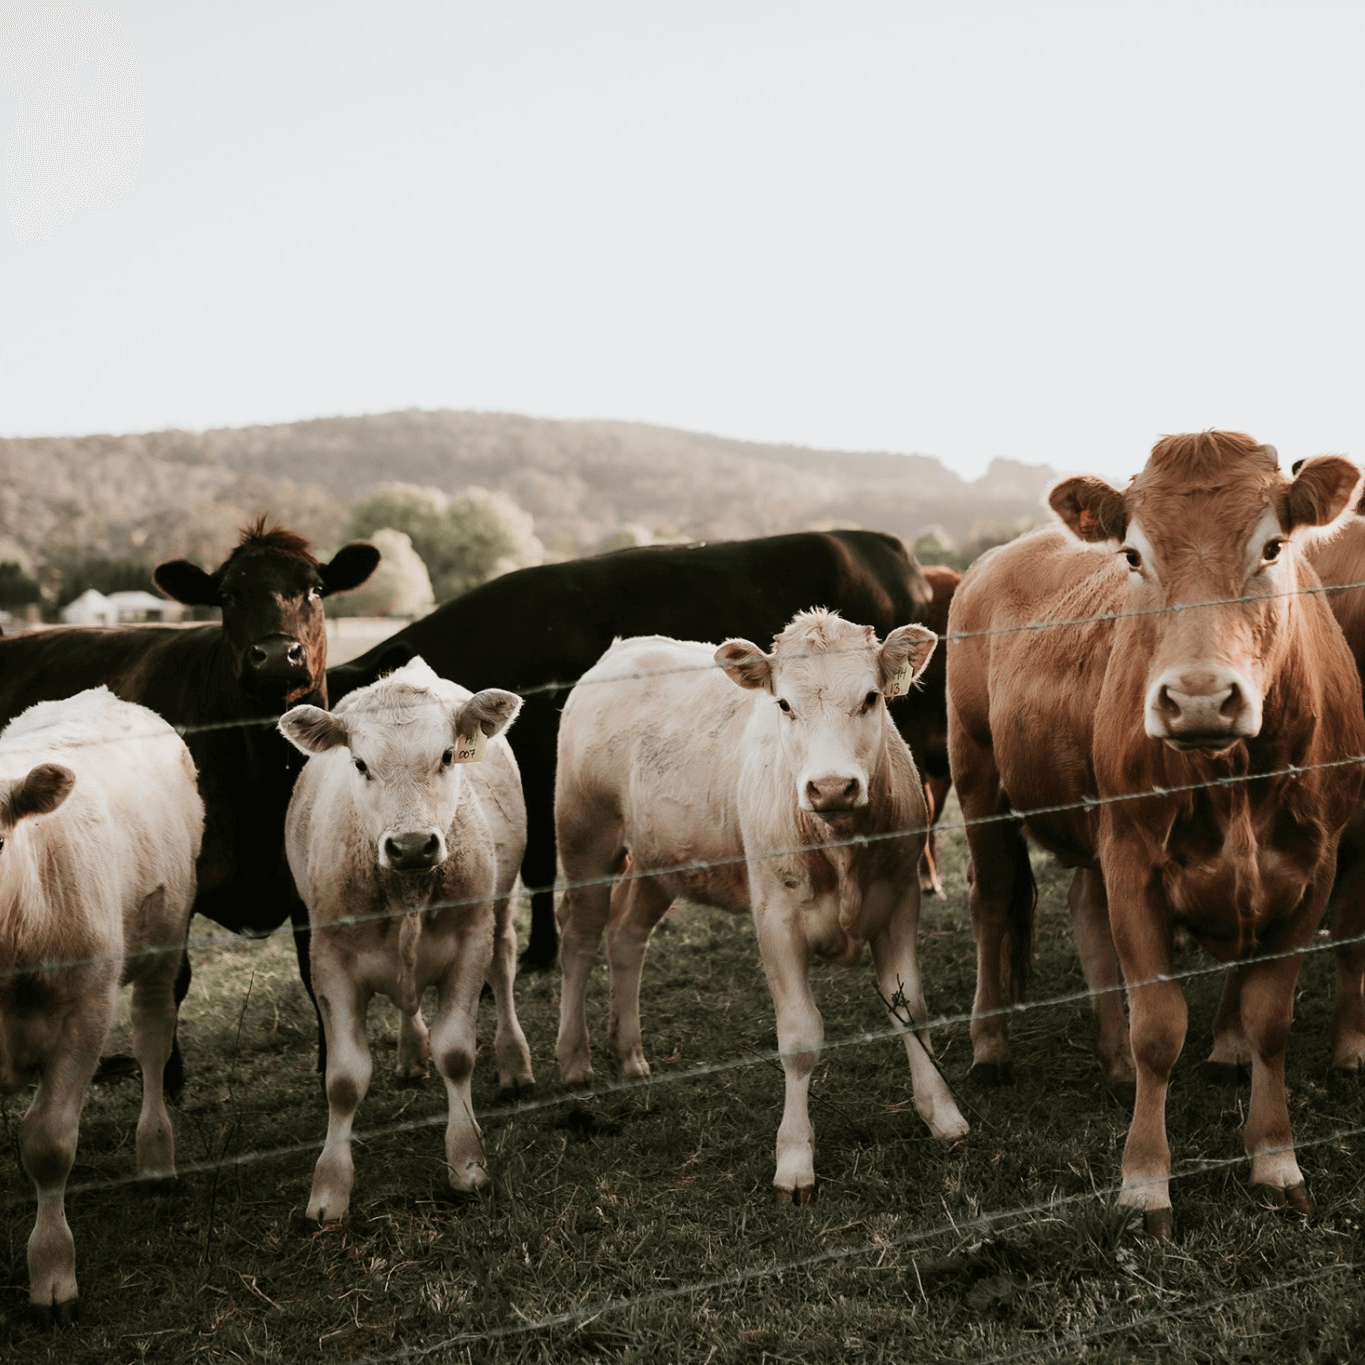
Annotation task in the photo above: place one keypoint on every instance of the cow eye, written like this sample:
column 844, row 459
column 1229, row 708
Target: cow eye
column 870, row 700
column 447, row 758
column 784, row 706
column 1272, row 549
column 1131, row 555
column 361, row 767
column 313, row 595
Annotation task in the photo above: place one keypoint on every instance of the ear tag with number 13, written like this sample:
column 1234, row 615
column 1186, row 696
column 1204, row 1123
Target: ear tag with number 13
column 900, row 684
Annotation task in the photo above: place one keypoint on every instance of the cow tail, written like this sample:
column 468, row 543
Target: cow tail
column 1018, row 947
column 409, row 998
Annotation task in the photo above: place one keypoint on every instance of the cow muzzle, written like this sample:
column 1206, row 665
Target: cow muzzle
column 416, row 851
column 278, row 664
column 1208, row 709
column 835, row 796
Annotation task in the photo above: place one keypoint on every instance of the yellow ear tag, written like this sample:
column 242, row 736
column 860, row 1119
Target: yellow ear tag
column 900, row 684
column 470, row 749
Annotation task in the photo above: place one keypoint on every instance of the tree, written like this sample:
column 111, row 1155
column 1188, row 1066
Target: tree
column 400, row 586
column 463, row 541
column 17, row 588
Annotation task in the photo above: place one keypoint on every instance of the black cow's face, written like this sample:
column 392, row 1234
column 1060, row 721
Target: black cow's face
column 270, row 590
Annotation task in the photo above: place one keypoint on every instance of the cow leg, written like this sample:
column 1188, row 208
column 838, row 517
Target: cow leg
column 637, row 905
column 344, row 1006
column 590, row 858
column 1100, row 963
column 936, row 791
column 1348, row 931
column 1267, row 1009
column 538, row 863
column 414, row 1048
column 1158, row 1020
column 453, row 1045
column 996, row 849
column 896, row 962
column 1231, row 1048
column 800, row 1033
column 154, row 1019
column 303, row 950
column 47, row 1150
column 510, row 1049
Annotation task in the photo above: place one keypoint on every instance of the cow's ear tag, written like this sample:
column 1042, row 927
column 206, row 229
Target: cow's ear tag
column 469, row 748
column 900, row 684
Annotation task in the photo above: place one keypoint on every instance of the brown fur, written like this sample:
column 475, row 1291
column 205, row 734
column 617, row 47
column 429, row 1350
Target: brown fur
column 1038, row 719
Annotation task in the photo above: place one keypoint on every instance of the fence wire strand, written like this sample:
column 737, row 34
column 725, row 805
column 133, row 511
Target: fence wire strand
column 983, row 1224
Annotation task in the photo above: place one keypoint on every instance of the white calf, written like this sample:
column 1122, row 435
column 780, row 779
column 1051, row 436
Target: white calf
column 404, row 836
column 100, row 826
column 746, row 800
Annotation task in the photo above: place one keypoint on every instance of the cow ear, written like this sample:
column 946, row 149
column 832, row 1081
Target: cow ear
column 313, row 730
column 490, row 711
column 186, row 583
column 349, row 567
column 1091, row 509
column 1325, row 490
column 746, row 664
column 904, row 657
column 41, row 792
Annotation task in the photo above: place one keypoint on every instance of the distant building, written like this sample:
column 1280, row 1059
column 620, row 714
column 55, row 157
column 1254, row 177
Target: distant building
column 93, row 608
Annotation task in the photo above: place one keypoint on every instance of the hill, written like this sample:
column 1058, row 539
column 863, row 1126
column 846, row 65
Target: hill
column 180, row 492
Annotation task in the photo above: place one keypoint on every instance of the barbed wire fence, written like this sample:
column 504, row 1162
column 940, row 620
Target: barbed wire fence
column 985, row 1224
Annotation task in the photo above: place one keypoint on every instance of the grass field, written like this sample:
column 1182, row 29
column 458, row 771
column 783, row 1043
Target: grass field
column 639, row 1225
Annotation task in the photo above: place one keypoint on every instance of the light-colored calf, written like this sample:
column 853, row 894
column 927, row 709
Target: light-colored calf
column 749, row 798
column 100, row 826
column 404, row 835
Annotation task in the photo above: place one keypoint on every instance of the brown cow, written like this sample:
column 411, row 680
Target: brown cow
column 1184, row 665
column 1341, row 561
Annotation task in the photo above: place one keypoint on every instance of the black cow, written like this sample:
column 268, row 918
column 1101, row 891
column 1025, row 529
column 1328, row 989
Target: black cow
column 534, row 631
column 224, row 686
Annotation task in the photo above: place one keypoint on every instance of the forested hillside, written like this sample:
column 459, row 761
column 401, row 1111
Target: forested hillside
column 586, row 484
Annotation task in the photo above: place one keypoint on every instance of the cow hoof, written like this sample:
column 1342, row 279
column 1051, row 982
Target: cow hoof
column 1125, row 1092
column 1229, row 1074
column 1160, row 1224
column 992, row 1074
column 536, row 960
column 50, row 1316
column 156, row 1186
column 1295, row 1198
column 517, row 1091
column 801, row 1196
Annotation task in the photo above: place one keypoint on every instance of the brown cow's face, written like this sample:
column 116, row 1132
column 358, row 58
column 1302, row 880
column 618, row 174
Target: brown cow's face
column 829, row 679
column 1210, row 537
column 270, row 590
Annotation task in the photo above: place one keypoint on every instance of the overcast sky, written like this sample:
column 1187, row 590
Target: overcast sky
column 1045, row 230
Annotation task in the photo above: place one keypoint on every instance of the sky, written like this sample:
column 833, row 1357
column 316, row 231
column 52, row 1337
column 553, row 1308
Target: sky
column 1034, row 229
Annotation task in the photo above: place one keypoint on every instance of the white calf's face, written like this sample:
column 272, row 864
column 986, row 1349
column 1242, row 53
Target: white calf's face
column 829, row 680
column 409, row 741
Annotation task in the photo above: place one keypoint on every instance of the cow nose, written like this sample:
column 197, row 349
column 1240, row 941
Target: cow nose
column 413, row 852
column 1202, row 709
column 280, row 651
column 834, row 793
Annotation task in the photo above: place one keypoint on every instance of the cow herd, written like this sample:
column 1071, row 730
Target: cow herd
column 1156, row 690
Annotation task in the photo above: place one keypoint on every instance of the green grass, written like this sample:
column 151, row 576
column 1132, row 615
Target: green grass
column 639, row 1225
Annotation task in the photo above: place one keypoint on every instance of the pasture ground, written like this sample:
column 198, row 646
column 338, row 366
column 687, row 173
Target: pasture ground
column 639, row 1225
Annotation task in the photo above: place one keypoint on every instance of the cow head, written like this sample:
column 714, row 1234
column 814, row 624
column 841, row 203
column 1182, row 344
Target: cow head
column 1211, row 538
column 270, row 590
column 408, row 736
column 829, row 680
